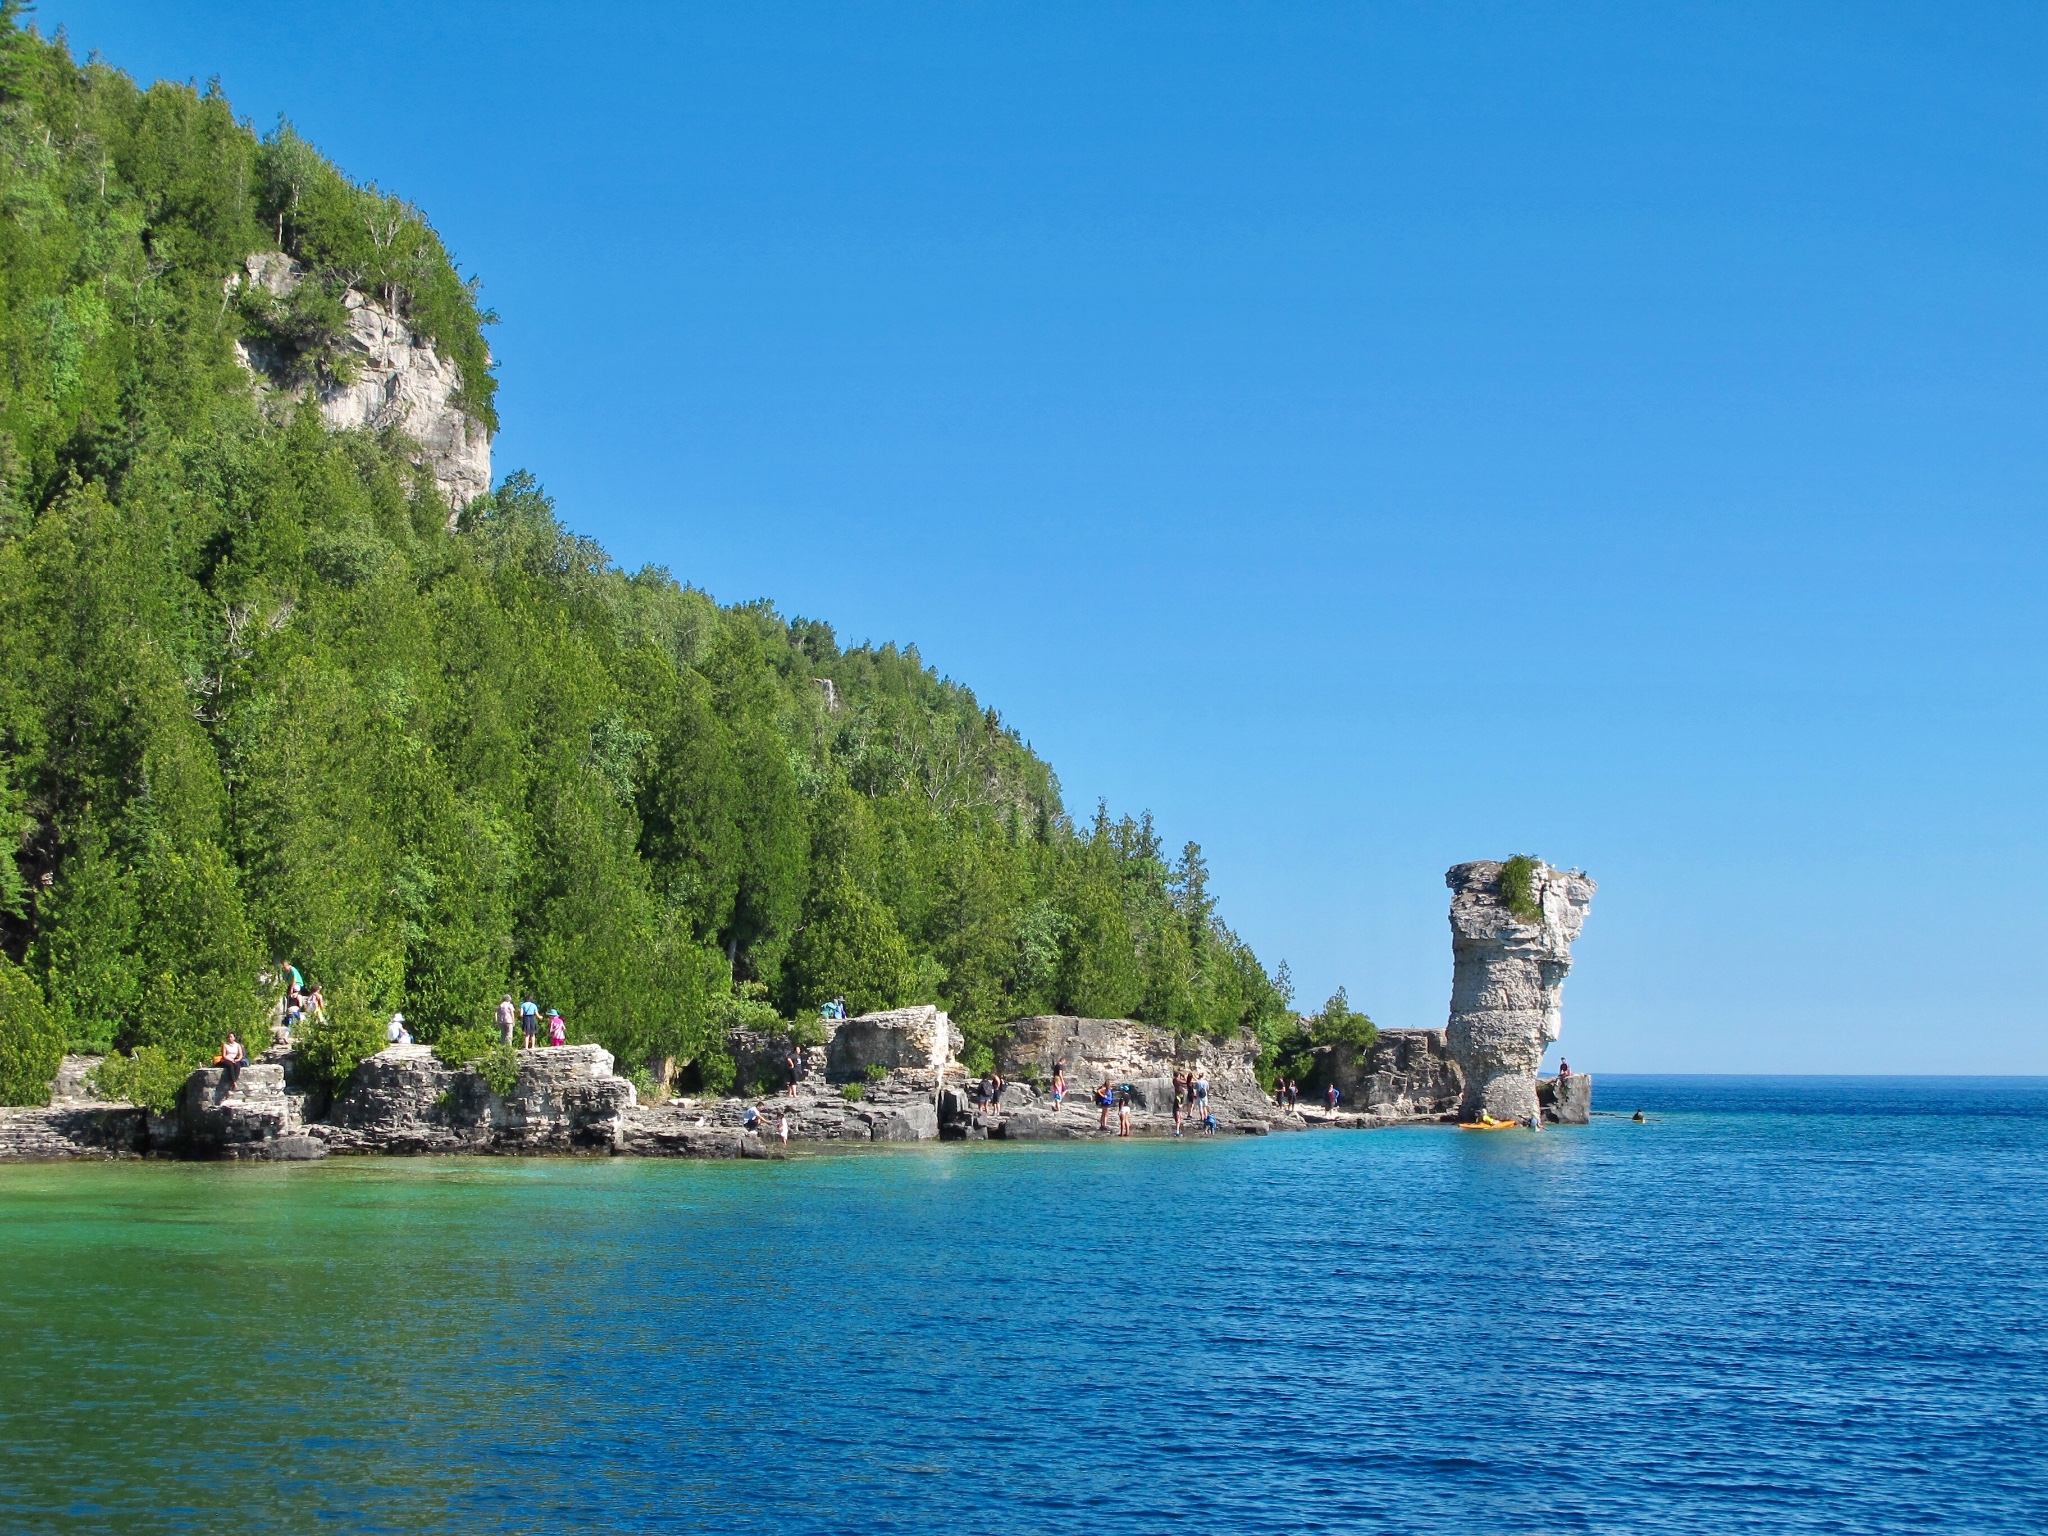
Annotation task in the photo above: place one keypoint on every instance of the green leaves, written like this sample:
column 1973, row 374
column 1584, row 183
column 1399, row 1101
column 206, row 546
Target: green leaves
column 31, row 1040
column 258, row 702
column 1518, row 888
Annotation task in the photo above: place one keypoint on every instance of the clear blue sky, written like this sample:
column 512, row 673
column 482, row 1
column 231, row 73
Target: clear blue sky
column 1369, row 436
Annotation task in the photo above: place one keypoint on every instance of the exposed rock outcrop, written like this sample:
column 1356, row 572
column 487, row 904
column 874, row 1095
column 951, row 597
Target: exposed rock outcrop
column 405, row 1100
column 1566, row 1100
column 395, row 378
column 213, row 1119
column 900, row 1039
column 1404, row 1074
column 1120, row 1051
column 1507, row 982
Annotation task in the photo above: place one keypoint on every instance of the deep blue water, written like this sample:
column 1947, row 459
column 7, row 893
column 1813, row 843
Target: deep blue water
column 1784, row 1304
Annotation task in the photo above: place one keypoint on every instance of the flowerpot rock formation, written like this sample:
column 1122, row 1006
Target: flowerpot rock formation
column 1507, row 982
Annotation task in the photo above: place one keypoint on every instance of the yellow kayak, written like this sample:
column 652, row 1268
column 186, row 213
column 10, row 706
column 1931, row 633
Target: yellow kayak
column 1489, row 1125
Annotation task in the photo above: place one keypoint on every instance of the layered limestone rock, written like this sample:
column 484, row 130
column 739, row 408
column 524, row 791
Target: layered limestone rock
column 64, row 1132
column 1508, row 981
column 395, row 379
column 1121, row 1051
column 899, row 1040
column 1566, row 1100
column 405, row 1100
column 1406, row 1074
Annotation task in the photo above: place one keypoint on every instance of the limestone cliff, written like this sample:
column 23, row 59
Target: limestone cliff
column 1508, row 981
column 387, row 376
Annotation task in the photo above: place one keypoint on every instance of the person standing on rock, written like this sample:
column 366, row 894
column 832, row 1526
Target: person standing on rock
column 506, row 1015
column 1103, row 1101
column 1332, row 1095
column 782, row 1127
column 558, row 1032
column 529, row 1020
column 1293, row 1093
column 1123, row 1110
column 793, row 1068
column 1201, row 1086
column 1059, row 1085
column 1180, row 1100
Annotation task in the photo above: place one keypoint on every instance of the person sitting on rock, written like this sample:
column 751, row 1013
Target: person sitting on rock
column 751, row 1120
column 396, row 1033
column 1564, row 1068
column 232, row 1059
column 558, row 1032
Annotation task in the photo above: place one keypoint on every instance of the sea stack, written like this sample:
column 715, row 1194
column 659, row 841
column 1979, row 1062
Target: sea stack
column 1511, row 950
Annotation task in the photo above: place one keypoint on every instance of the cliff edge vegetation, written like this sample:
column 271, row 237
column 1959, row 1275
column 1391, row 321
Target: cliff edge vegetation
column 265, row 696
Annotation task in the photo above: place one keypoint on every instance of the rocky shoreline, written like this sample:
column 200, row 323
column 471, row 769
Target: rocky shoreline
column 886, row 1077
column 568, row 1100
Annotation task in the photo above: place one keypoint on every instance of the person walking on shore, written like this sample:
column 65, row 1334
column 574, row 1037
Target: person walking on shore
column 529, row 1020
column 507, row 1014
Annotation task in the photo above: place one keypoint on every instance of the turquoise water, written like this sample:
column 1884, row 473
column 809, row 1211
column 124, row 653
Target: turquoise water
column 1784, row 1304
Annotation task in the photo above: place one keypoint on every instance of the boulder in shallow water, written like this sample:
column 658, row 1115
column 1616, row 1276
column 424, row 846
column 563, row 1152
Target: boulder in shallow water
column 1566, row 1100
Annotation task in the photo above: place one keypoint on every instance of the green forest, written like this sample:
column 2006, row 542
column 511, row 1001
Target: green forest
column 265, row 697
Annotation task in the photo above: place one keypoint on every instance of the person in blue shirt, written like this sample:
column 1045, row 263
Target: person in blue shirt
column 529, row 1021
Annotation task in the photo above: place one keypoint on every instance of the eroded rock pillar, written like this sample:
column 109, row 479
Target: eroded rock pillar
column 1508, row 980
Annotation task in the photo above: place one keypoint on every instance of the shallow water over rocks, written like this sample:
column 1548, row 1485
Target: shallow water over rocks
column 1789, row 1304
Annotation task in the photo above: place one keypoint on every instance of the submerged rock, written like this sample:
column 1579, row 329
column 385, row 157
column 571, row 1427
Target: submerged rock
column 1508, row 981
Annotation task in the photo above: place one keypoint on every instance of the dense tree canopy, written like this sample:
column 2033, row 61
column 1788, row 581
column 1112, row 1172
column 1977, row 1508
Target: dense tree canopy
column 265, row 697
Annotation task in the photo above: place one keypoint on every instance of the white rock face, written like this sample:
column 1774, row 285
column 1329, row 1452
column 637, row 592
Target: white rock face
column 400, row 381
column 1507, row 982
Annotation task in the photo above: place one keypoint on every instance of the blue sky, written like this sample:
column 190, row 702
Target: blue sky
column 1370, row 436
